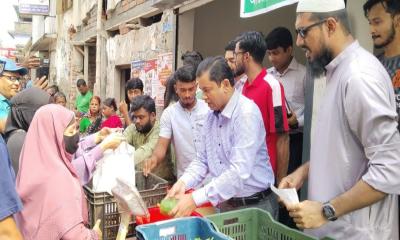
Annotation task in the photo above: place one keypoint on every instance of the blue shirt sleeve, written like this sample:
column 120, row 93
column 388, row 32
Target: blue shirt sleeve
column 10, row 202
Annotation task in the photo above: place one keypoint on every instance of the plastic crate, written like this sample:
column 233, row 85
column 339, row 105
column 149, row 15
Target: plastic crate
column 103, row 206
column 190, row 228
column 254, row 224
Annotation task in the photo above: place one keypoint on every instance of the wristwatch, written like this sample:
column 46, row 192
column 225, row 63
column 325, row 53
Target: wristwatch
column 329, row 211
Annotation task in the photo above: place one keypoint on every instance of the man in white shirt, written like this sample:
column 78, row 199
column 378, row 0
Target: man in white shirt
column 180, row 123
column 291, row 75
column 353, row 172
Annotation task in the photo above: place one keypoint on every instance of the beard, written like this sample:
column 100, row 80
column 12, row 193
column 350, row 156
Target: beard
column 317, row 66
column 388, row 40
column 239, row 70
column 235, row 75
column 187, row 103
column 144, row 129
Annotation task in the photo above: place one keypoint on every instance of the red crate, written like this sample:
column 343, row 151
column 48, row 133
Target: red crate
column 156, row 216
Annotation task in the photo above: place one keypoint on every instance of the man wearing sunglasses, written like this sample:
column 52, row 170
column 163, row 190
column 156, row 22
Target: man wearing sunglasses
column 354, row 168
column 10, row 203
column 10, row 75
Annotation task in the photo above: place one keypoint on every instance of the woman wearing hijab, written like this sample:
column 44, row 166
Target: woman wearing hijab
column 109, row 112
column 47, row 182
column 23, row 108
column 91, row 121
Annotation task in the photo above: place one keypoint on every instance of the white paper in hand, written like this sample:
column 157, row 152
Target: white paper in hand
column 287, row 195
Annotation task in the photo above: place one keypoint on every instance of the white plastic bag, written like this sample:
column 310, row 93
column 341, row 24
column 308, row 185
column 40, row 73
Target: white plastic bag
column 129, row 199
column 115, row 163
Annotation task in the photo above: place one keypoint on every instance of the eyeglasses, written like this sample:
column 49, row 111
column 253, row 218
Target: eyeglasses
column 11, row 78
column 302, row 31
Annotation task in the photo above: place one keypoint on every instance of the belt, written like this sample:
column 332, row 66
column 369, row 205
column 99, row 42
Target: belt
column 253, row 199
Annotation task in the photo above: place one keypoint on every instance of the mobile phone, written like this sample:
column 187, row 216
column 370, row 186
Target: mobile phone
column 42, row 71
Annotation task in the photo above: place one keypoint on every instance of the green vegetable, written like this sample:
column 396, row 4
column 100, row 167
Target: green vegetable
column 167, row 205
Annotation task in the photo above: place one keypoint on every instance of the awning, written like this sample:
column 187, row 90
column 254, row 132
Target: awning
column 251, row 8
column 43, row 43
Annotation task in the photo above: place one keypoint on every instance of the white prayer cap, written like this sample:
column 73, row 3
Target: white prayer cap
column 315, row 6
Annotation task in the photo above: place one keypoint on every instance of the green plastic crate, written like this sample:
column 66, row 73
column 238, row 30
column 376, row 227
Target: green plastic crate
column 254, row 224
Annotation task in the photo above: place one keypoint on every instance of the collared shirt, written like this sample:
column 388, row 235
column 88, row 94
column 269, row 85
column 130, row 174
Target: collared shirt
column 240, row 83
column 233, row 152
column 5, row 107
column 269, row 96
column 293, row 81
column 356, row 138
column 144, row 144
column 183, row 127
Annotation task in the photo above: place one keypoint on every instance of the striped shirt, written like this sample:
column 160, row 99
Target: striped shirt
column 233, row 152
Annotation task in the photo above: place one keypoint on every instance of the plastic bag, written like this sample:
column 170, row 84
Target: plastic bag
column 129, row 199
column 115, row 163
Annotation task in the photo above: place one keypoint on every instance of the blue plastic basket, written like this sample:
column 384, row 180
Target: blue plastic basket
column 190, row 228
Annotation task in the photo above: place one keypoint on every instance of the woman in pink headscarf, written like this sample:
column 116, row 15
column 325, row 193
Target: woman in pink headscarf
column 47, row 182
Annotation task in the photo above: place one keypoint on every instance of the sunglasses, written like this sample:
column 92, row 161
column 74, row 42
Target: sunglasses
column 302, row 31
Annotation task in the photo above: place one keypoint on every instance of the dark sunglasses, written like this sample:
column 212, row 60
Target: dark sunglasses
column 302, row 31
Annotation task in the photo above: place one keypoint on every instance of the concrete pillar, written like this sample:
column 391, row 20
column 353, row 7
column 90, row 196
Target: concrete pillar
column 100, row 85
column 86, row 63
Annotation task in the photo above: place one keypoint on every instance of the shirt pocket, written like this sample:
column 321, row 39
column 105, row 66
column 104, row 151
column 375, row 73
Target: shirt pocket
column 197, row 131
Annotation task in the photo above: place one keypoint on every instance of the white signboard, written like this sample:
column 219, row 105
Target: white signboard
column 34, row 7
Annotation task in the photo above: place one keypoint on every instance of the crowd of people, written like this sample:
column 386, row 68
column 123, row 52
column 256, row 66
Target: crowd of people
column 230, row 129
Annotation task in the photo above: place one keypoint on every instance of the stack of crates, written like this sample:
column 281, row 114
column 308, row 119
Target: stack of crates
column 103, row 206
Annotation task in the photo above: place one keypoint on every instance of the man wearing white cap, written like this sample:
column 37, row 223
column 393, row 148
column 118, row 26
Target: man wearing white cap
column 354, row 167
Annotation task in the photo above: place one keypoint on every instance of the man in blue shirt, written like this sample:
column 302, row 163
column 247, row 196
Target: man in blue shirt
column 232, row 150
column 10, row 202
column 10, row 75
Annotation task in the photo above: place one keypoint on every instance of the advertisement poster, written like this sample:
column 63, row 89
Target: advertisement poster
column 164, row 70
column 150, row 71
column 137, row 71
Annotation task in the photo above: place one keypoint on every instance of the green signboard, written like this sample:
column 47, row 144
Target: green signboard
column 250, row 8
